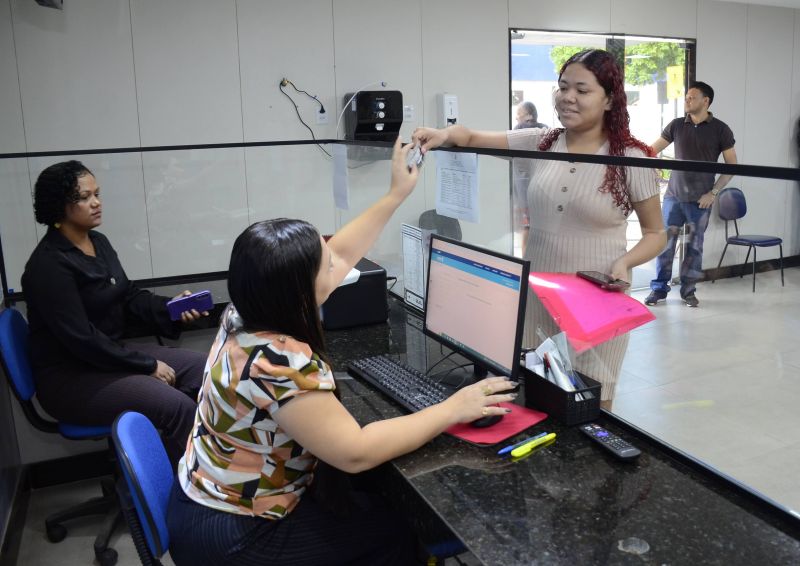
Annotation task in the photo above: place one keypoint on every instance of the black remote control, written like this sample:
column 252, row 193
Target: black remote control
column 620, row 448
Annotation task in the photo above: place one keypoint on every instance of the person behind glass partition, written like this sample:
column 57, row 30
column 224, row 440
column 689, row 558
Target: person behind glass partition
column 79, row 302
column 698, row 136
column 528, row 117
column 266, row 474
column 578, row 211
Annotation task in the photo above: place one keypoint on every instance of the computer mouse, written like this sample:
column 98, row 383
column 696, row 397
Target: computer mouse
column 489, row 420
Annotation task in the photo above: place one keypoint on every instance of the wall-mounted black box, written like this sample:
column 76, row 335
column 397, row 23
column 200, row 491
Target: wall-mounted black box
column 363, row 302
column 373, row 115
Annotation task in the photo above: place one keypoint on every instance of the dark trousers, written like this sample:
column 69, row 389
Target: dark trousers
column 83, row 395
column 309, row 535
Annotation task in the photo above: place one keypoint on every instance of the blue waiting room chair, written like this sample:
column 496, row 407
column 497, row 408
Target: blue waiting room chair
column 732, row 207
column 148, row 478
column 15, row 361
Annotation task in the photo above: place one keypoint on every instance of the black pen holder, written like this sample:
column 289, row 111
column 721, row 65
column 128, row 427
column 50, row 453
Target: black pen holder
column 566, row 406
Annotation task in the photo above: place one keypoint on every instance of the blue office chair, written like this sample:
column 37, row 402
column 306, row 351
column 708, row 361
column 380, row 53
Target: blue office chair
column 15, row 361
column 733, row 206
column 148, row 481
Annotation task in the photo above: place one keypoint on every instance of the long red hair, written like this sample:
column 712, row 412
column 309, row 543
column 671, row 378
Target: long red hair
column 616, row 122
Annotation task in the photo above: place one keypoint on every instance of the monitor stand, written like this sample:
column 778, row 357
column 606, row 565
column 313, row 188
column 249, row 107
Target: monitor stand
column 460, row 377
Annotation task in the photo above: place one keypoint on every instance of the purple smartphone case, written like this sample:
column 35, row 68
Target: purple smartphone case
column 201, row 301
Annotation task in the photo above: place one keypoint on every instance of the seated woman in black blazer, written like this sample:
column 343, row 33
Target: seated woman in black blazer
column 78, row 301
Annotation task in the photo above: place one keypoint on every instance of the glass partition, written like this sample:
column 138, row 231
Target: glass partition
column 720, row 382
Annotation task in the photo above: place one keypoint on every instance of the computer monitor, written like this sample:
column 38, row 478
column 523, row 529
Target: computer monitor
column 475, row 304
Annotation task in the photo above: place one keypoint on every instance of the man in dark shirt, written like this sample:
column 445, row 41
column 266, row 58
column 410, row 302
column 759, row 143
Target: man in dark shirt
column 699, row 136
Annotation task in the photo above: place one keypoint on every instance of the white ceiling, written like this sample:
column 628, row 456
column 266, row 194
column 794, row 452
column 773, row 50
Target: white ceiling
column 784, row 3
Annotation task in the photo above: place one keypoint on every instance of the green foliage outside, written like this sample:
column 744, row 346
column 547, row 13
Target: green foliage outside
column 560, row 53
column 650, row 60
column 646, row 62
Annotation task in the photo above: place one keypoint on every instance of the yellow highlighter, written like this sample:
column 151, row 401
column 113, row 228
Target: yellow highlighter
column 526, row 448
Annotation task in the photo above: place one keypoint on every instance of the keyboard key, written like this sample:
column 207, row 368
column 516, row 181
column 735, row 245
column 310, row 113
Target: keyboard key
column 405, row 385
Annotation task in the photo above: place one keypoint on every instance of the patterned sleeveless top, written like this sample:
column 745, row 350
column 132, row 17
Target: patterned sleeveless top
column 238, row 459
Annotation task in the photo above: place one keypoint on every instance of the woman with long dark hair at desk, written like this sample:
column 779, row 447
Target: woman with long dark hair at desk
column 578, row 211
column 268, row 417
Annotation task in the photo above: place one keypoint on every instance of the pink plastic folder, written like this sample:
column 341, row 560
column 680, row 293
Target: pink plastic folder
column 588, row 314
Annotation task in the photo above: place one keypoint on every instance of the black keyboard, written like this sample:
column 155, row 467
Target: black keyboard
column 403, row 384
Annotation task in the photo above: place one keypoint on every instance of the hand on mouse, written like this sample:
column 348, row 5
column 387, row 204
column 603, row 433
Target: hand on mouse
column 480, row 399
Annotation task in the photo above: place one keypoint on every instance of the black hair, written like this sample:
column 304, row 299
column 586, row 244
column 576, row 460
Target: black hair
column 530, row 108
column 55, row 188
column 271, row 276
column 705, row 88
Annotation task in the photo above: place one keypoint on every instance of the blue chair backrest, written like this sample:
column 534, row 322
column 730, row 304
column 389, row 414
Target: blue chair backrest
column 732, row 204
column 15, row 353
column 148, row 473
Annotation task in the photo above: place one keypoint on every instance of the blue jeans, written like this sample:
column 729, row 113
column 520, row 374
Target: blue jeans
column 676, row 214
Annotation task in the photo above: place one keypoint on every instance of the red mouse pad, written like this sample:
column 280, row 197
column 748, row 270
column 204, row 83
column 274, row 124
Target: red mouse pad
column 512, row 423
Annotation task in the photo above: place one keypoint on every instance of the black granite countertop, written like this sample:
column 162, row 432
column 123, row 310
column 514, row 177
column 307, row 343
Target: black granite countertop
column 568, row 503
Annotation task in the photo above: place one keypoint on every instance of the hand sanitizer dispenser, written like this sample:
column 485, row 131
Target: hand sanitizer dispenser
column 447, row 109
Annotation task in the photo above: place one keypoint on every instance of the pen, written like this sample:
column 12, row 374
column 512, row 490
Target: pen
column 546, row 360
column 507, row 449
column 527, row 447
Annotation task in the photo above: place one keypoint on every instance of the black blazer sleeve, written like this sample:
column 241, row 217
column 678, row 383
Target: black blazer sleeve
column 52, row 290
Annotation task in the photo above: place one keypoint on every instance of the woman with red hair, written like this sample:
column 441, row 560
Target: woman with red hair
column 578, row 211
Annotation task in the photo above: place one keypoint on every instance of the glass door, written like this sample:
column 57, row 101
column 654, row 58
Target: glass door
column 656, row 72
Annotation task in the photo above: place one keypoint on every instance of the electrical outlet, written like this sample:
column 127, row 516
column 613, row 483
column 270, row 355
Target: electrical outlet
column 322, row 117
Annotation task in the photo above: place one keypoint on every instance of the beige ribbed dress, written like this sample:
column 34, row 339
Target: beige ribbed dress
column 573, row 226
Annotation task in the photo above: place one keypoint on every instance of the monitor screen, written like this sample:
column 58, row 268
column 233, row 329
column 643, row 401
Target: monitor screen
column 475, row 303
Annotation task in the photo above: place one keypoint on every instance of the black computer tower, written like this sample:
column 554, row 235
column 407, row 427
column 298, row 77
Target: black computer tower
column 364, row 302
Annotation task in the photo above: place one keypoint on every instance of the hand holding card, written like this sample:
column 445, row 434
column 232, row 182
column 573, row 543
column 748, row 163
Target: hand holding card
column 414, row 157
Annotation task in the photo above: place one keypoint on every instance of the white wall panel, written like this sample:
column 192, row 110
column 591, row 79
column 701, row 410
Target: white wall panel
column 280, row 39
column 721, row 62
column 469, row 58
column 770, row 31
column 793, row 192
column 16, row 218
column 380, row 41
column 794, row 149
column 16, row 210
column 579, row 15
column 293, row 40
column 770, row 36
column 291, row 182
column 76, row 74
column 119, row 176
column 187, row 71
column 676, row 18
column 12, row 137
column 376, row 41
column 196, row 206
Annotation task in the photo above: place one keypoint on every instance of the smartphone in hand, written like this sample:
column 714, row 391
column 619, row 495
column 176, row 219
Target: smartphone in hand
column 604, row 281
column 201, row 301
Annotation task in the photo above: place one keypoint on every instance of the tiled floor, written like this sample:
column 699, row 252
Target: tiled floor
column 77, row 548
column 721, row 382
